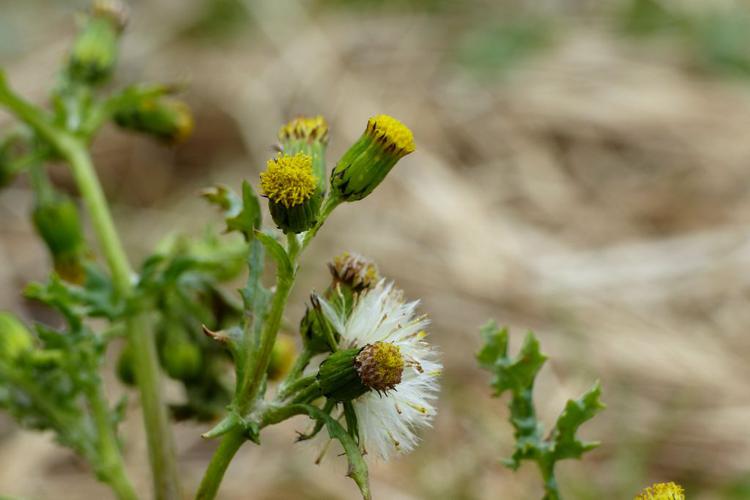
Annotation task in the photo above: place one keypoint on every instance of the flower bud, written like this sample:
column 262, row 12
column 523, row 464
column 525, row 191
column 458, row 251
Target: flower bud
column 182, row 358
column 56, row 219
column 307, row 135
column 94, row 53
column 315, row 328
column 150, row 111
column 352, row 274
column 15, row 338
column 282, row 357
column 365, row 165
column 347, row 374
column 292, row 190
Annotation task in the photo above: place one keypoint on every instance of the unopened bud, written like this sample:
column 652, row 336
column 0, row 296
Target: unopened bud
column 282, row 357
column 15, row 338
column 94, row 53
column 57, row 221
column 150, row 110
column 307, row 135
column 181, row 357
column 365, row 165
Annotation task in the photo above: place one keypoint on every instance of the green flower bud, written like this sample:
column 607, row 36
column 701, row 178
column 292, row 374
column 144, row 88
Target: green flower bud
column 15, row 338
column 347, row 374
column 282, row 357
column 365, row 165
column 94, row 53
column 315, row 329
column 56, row 219
column 150, row 111
column 291, row 187
column 181, row 357
column 307, row 135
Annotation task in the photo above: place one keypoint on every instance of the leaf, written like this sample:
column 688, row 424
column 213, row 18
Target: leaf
column 286, row 270
column 357, row 465
column 576, row 412
column 518, row 375
column 248, row 220
column 509, row 374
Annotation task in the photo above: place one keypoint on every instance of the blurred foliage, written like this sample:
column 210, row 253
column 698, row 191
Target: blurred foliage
column 218, row 20
column 716, row 37
column 499, row 47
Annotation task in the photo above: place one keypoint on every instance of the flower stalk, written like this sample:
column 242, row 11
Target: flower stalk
column 73, row 150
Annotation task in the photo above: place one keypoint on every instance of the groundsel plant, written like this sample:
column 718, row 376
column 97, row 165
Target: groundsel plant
column 365, row 373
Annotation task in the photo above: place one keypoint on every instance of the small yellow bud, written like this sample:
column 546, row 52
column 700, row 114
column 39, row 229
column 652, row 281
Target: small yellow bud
column 303, row 128
column 364, row 166
column 282, row 357
column 15, row 338
column 307, row 135
column 662, row 491
column 57, row 221
column 149, row 110
column 292, row 191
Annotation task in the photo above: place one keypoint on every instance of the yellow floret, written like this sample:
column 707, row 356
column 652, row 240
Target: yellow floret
column 309, row 128
column 289, row 180
column 662, row 491
column 392, row 132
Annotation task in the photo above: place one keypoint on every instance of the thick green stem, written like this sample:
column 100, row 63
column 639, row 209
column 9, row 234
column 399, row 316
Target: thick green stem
column 267, row 339
column 109, row 465
column 551, row 492
column 146, row 363
column 161, row 447
column 220, row 460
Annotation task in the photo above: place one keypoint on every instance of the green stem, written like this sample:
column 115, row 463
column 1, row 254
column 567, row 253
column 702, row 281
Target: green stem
column 161, row 447
column 257, row 366
column 551, row 491
column 299, row 366
column 329, row 204
column 220, row 460
column 108, row 465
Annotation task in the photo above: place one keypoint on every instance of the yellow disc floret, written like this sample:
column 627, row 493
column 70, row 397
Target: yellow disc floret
column 662, row 491
column 392, row 133
column 380, row 366
column 306, row 128
column 289, row 180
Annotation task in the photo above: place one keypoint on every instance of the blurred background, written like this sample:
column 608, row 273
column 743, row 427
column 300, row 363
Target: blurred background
column 581, row 170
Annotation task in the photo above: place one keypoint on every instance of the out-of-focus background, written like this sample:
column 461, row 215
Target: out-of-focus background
column 582, row 170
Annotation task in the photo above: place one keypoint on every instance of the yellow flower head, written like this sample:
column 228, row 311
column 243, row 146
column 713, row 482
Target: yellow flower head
column 662, row 491
column 380, row 366
column 305, row 128
column 289, row 180
column 392, row 133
